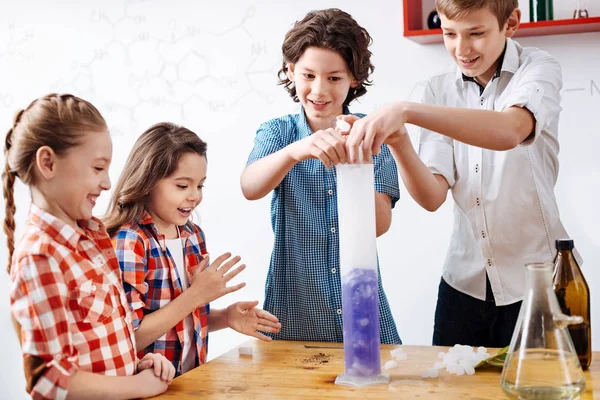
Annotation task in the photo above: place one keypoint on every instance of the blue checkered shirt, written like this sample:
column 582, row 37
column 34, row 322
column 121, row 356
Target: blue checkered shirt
column 303, row 287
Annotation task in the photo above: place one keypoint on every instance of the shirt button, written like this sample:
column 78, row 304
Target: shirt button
column 483, row 234
column 330, row 192
column 93, row 288
column 127, row 319
column 476, row 167
column 489, row 262
column 58, row 357
column 332, row 230
column 339, row 311
column 333, row 270
column 478, row 202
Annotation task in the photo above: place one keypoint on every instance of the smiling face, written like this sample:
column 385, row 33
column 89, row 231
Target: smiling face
column 78, row 178
column 322, row 82
column 173, row 199
column 476, row 42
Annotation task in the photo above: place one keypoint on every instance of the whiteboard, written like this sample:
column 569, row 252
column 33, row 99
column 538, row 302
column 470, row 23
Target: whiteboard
column 212, row 67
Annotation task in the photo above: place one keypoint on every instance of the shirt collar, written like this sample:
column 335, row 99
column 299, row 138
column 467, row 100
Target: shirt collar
column 185, row 231
column 508, row 62
column 61, row 231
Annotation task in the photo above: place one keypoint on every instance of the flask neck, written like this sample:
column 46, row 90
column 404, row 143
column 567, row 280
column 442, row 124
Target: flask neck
column 539, row 286
column 539, row 276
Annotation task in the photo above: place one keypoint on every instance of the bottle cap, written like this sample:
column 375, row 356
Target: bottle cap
column 565, row 244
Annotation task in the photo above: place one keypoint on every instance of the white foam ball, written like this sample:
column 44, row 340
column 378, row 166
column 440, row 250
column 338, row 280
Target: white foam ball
column 342, row 125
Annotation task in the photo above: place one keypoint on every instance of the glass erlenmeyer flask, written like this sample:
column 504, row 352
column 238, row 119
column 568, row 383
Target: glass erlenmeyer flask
column 541, row 361
column 358, row 271
column 580, row 9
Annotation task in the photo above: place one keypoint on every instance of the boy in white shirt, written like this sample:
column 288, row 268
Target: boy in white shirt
column 490, row 135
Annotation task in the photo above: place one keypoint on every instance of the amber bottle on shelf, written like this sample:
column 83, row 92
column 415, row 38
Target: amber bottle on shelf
column 573, row 295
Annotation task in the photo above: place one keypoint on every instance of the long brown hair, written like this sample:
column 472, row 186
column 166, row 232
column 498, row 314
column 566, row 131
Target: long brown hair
column 58, row 121
column 154, row 156
column 331, row 29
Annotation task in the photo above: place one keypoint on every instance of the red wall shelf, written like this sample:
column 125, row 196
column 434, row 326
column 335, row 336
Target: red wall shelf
column 413, row 26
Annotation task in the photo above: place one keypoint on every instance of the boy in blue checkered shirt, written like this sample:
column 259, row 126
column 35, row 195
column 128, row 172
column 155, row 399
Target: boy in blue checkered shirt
column 326, row 65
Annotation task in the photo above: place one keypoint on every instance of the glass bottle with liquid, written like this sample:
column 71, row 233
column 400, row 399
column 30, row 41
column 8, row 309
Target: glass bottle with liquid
column 573, row 294
column 541, row 361
column 541, row 10
column 358, row 272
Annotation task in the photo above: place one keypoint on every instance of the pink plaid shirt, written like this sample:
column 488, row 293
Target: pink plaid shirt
column 67, row 295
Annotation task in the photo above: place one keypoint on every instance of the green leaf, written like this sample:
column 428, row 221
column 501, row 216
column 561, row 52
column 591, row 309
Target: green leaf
column 497, row 360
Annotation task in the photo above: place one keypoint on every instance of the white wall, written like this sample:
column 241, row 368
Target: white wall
column 212, row 67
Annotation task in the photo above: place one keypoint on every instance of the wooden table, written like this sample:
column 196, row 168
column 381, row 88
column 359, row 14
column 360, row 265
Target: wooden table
column 307, row 370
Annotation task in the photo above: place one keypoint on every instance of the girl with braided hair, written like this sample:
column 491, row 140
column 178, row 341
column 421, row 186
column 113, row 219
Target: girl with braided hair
column 66, row 293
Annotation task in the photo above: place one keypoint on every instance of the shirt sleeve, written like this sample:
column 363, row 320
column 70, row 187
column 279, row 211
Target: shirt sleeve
column 268, row 140
column 39, row 298
column 386, row 174
column 538, row 90
column 435, row 150
column 131, row 254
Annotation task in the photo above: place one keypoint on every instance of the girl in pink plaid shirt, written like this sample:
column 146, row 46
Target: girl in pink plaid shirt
column 162, row 254
column 66, row 293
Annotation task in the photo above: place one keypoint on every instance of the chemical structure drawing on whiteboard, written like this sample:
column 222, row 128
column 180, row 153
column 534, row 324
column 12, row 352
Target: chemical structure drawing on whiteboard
column 163, row 64
column 12, row 47
column 593, row 89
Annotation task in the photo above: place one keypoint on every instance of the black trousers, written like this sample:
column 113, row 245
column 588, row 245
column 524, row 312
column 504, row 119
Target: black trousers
column 462, row 319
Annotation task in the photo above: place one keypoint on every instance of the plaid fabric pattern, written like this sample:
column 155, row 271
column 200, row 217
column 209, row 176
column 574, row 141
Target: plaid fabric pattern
column 303, row 287
column 151, row 281
column 66, row 294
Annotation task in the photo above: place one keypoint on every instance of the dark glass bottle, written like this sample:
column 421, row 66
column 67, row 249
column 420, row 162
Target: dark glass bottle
column 573, row 295
column 541, row 10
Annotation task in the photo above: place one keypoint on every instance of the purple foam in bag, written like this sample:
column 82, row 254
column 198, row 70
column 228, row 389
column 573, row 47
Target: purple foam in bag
column 358, row 265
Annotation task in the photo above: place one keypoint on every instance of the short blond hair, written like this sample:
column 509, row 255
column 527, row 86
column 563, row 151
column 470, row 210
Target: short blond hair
column 457, row 9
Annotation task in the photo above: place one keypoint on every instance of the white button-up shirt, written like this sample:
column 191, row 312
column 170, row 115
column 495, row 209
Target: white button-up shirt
column 505, row 211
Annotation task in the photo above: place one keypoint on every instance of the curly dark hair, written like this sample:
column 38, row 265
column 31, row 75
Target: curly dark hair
column 331, row 29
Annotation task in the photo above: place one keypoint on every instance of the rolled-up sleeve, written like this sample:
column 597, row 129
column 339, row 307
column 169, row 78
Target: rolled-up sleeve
column 435, row 150
column 538, row 90
column 39, row 298
column 131, row 254
column 267, row 141
column 386, row 174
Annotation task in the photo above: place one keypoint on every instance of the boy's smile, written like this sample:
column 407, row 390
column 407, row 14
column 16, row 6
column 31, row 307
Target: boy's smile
column 476, row 41
column 322, row 82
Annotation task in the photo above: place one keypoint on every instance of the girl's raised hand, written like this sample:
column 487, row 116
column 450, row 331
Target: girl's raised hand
column 245, row 318
column 210, row 282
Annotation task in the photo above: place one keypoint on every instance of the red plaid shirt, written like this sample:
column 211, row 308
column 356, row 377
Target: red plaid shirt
column 66, row 294
column 151, row 281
